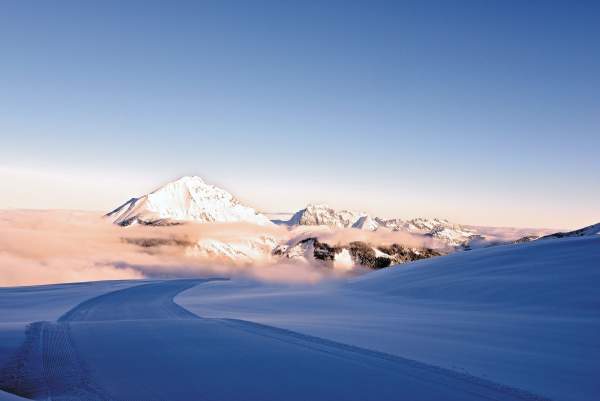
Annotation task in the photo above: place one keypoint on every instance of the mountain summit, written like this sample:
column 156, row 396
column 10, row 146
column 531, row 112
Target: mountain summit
column 321, row 214
column 186, row 199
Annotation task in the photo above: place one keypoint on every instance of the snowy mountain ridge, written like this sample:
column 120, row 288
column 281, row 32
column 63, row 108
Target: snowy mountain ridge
column 191, row 200
column 321, row 214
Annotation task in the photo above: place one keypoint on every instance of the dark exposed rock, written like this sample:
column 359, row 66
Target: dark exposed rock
column 279, row 251
column 154, row 242
column 154, row 223
column 381, row 262
column 401, row 254
column 161, row 222
column 362, row 253
column 425, row 253
column 322, row 251
column 527, row 238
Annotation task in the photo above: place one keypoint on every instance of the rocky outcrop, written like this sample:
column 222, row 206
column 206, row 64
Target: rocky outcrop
column 362, row 253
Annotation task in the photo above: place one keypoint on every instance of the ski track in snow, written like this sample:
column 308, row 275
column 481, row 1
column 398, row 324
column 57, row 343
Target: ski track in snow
column 138, row 344
column 47, row 366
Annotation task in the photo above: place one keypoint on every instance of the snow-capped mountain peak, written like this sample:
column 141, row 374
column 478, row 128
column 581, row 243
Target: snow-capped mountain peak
column 187, row 199
column 366, row 223
column 322, row 214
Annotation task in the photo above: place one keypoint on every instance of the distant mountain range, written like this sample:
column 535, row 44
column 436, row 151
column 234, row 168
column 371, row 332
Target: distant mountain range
column 449, row 233
column 190, row 199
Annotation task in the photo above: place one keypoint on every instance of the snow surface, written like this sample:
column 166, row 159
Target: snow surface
column 525, row 315
column 468, row 326
column 4, row 396
column 594, row 229
column 137, row 344
column 186, row 199
column 20, row 306
column 366, row 223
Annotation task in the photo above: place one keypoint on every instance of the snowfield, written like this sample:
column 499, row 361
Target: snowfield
column 20, row 306
column 4, row 396
column 137, row 344
column 517, row 322
column 525, row 315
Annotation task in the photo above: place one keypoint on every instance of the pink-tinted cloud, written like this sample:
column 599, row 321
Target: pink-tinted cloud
column 343, row 236
column 42, row 247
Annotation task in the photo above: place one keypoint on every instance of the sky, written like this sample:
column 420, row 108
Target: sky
column 480, row 112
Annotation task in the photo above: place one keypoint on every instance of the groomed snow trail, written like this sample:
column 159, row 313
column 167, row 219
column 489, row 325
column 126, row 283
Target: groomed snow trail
column 146, row 301
column 137, row 344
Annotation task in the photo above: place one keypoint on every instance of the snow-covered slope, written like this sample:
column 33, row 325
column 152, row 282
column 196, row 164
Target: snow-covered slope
column 19, row 306
column 4, row 396
column 524, row 315
column 186, row 199
column 137, row 344
column 366, row 223
column 594, row 229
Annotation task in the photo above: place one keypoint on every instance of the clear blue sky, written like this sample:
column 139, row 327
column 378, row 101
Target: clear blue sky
column 479, row 111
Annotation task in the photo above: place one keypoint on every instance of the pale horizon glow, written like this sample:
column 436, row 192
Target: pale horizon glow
column 480, row 113
column 102, row 193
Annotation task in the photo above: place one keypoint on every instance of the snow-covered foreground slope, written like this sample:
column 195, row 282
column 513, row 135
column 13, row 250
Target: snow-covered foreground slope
column 4, row 396
column 525, row 315
column 137, row 344
column 20, row 306
column 592, row 230
column 469, row 326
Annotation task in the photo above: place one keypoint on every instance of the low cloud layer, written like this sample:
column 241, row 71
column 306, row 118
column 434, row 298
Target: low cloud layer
column 44, row 247
column 343, row 236
column 510, row 233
